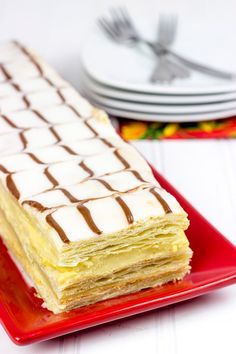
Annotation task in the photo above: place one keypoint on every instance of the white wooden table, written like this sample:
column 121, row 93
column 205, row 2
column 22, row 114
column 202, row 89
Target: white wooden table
column 204, row 171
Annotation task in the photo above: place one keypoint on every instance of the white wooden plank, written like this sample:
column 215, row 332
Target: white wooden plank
column 126, row 336
column 165, row 331
column 207, row 324
column 7, row 346
column 70, row 343
column 200, row 170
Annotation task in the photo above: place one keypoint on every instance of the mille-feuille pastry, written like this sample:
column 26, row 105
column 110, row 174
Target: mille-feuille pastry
column 79, row 208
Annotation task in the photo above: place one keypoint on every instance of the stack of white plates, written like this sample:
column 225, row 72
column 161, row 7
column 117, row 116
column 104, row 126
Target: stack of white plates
column 116, row 78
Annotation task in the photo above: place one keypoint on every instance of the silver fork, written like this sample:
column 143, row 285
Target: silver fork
column 120, row 28
column 166, row 68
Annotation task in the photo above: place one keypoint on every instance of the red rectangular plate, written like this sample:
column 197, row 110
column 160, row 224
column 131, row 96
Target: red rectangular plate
column 213, row 266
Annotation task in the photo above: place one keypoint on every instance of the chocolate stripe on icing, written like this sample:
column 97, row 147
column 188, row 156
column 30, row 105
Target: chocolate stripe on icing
column 8, row 120
column 12, row 186
column 106, row 184
column 86, row 168
column 39, row 115
column 56, row 135
column 23, row 139
column 88, row 218
column 16, row 86
column 3, row 169
column 163, row 203
column 107, row 143
column 5, row 72
column 69, row 150
column 35, row 205
column 49, row 81
column 122, row 160
column 91, row 128
column 35, row 158
column 61, row 96
column 26, row 101
column 74, row 110
column 51, row 221
column 126, row 210
column 138, row 176
column 50, row 177
column 71, row 198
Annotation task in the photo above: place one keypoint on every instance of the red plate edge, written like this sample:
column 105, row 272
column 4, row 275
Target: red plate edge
column 134, row 303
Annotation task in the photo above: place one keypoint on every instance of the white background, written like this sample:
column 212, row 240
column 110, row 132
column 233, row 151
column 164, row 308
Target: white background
column 204, row 171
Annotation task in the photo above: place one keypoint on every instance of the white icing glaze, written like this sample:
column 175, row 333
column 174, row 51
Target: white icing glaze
column 10, row 103
column 73, row 223
column 37, row 138
column 59, row 114
column 21, row 69
column 10, row 143
column 40, row 182
column 67, row 173
column 107, row 214
column 61, row 156
column 26, row 119
column 7, row 90
column 147, row 204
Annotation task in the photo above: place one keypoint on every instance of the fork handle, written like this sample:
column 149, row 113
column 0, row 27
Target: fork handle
column 156, row 47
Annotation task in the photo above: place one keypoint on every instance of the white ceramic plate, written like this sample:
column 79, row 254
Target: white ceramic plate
column 128, row 68
column 165, row 117
column 161, row 109
column 112, row 92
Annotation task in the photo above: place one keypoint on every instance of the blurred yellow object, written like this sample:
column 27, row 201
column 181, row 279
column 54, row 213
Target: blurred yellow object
column 135, row 130
column 206, row 126
column 170, row 129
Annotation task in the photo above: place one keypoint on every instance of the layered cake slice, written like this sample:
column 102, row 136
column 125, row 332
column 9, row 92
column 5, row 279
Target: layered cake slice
column 79, row 208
